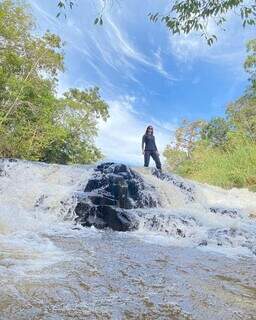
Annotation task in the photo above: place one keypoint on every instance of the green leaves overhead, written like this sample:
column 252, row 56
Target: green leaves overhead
column 99, row 20
column 63, row 5
column 194, row 15
column 186, row 16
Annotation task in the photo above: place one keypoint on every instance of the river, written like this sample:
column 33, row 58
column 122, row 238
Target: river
column 53, row 269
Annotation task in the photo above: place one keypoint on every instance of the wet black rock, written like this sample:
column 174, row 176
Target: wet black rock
column 2, row 173
column 178, row 182
column 180, row 233
column 105, row 216
column 228, row 212
column 8, row 160
column 203, row 243
column 109, row 195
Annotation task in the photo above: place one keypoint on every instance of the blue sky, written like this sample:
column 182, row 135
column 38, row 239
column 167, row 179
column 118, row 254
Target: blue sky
column 145, row 74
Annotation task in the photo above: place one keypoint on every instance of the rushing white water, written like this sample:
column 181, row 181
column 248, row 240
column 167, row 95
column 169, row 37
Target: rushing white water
column 201, row 215
column 205, row 195
column 51, row 268
column 36, row 199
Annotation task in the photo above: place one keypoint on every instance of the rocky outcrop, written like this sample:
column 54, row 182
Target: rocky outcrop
column 232, row 213
column 178, row 182
column 109, row 196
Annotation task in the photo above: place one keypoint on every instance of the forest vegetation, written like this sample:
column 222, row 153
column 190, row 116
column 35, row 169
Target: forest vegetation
column 36, row 122
column 221, row 151
column 39, row 123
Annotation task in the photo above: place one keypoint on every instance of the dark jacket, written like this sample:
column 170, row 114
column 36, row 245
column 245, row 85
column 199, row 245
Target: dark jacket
column 150, row 144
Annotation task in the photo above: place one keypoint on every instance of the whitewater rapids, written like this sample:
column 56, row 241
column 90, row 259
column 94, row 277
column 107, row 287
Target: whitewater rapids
column 52, row 268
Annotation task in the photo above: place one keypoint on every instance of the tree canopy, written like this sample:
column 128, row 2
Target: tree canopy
column 35, row 123
column 250, row 63
column 221, row 151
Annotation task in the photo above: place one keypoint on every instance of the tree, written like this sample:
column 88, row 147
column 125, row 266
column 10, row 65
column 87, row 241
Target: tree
column 223, row 150
column 187, row 135
column 242, row 113
column 79, row 113
column 186, row 138
column 215, row 132
column 186, row 16
column 174, row 157
column 250, row 63
column 242, row 116
column 34, row 123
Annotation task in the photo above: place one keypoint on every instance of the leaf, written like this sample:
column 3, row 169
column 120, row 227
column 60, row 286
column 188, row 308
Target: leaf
column 61, row 4
column 209, row 41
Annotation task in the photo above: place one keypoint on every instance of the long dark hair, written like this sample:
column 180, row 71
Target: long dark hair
column 147, row 130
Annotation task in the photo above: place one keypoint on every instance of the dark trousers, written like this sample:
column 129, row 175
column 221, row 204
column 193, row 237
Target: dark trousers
column 155, row 157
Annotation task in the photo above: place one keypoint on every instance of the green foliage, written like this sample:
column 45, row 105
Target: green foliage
column 225, row 158
column 250, row 63
column 186, row 16
column 34, row 123
column 242, row 115
column 224, row 151
column 215, row 132
column 174, row 157
column 63, row 5
column 187, row 135
column 232, row 168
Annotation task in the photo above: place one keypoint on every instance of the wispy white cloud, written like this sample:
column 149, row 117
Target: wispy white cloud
column 160, row 67
column 107, row 46
column 130, row 60
column 228, row 50
column 122, row 45
column 47, row 16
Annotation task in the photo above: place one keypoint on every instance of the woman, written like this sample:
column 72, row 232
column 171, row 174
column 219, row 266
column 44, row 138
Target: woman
column 150, row 148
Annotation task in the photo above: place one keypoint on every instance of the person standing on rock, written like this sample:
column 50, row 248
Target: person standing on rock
column 150, row 150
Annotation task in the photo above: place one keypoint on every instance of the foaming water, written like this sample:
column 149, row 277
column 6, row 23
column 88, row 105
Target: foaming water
column 204, row 195
column 36, row 201
column 193, row 214
column 52, row 269
column 34, row 194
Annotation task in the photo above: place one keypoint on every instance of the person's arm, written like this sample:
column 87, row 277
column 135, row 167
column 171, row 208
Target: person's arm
column 156, row 146
column 142, row 144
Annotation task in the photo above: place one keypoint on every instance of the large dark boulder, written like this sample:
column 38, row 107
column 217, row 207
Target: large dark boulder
column 104, row 216
column 109, row 195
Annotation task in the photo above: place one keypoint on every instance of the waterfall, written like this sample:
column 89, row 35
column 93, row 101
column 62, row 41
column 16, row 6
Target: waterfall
column 185, row 248
column 195, row 214
column 38, row 199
